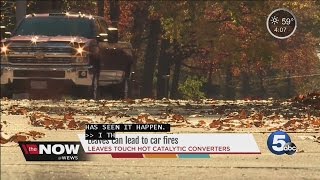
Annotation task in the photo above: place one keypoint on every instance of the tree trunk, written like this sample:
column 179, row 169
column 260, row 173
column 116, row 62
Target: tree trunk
column 43, row 6
column 48, row 6
column 21, row 10
column 209, row 80
column 163, row 70
column 57, row 6
column 114, row 12
column 262, row 90
column 140, row 16
column 100, row 5
column 229, row 89
column 245, row 85
column 289, row 86
column 175, row 80
column 151, row 58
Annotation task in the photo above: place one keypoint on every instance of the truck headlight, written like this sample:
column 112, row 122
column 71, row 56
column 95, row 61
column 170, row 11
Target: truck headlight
column 4, row 49
column 81, row 53
column 80, row 50
column 4, row 52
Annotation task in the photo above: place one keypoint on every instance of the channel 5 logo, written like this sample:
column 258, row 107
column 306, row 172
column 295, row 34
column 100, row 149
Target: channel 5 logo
column 279, row 143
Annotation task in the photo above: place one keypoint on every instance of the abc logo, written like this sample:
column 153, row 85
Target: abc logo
column 279, row 143
column 290, row 148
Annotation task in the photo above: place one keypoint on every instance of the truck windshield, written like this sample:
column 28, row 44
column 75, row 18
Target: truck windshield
column 55, row 26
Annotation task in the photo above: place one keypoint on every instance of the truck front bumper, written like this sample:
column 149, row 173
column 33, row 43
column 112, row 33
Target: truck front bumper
column 79, row 75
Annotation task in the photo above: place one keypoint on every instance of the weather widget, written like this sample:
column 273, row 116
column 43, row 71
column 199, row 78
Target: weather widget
column 281, row 23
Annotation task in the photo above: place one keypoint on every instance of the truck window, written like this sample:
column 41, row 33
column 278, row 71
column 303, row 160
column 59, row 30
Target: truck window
column 55, row 26
column 103, row 25
column 98, row 26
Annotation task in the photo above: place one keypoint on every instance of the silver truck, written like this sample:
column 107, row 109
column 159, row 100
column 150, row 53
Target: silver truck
column 50, row 51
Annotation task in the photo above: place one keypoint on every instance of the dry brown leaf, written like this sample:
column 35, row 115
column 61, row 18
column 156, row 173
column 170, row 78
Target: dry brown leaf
column 143, row 116
column 18, row 137
column 35, row 134
column 220, row 128
column 21, row 136
column 130, row 101
column 316, row 122
column 68, row 117
column 215, row 124
column 258, row 123
column 259, row 116
column 82, row 125
column 47, row 122
column 178, row 118
column 133, row 120
column 201, row 123
column 58, row 124
column 72, row 124
column 289, row 123
column 22, row 111
column 243, row 115
column 150, row 121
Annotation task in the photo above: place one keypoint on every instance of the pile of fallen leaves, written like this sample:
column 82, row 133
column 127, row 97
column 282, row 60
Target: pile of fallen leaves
column 235, row 120
column 67, row 122
column 311, row 99
column 20, row 136
column 298, row 124
column 299, row 114
column 143, row 118
column 258, row 120
column 17, row 110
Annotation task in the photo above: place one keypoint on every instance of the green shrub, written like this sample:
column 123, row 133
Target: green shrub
column 192, row 88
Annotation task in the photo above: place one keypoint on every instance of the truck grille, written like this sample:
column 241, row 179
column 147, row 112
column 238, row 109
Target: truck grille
column 47, row 60
column 31, row 49
column 39, row 74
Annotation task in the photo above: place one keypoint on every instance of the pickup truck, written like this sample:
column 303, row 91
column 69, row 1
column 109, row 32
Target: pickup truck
column 47, row 51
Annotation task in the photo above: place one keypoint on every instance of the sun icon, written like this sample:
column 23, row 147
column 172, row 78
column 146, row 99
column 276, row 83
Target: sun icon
column 274, row 20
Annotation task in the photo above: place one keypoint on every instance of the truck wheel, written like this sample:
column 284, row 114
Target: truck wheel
column 120, row 91
column 6, row 91
column 81, row 92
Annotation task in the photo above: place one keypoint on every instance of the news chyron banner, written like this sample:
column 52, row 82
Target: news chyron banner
column 107, row 139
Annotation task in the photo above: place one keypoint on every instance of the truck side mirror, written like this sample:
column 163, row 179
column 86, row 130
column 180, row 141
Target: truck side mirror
column 4, row 33
column 132, row 76
column 113, row 35
column 102, row 37
column 7, row 34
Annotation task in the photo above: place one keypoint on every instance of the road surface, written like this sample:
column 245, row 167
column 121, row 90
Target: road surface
column 305, row 164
